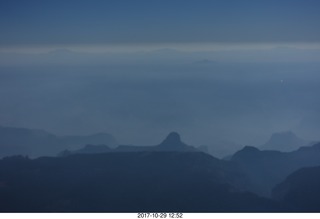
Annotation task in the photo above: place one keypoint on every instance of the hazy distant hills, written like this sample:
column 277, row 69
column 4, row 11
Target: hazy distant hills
column 281, row 141
column 284, row 141
column 171, row 143
column 126, row 182
column 171, row 176
column 88, row 149
column 268, row 168
column 300, row 190
column 34, row 143
column 96, row 139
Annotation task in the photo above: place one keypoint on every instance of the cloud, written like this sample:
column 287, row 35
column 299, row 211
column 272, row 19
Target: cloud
column 308, row 53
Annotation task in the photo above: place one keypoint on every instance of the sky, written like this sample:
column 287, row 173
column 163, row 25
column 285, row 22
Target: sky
column 44, row 22
column 218, row 69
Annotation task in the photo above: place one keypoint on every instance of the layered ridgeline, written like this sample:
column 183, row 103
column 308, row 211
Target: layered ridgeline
column 126, row 182
column 171, row 143
column 35, row 143
column 169, row 177
column 300, row 191
column 266, row 169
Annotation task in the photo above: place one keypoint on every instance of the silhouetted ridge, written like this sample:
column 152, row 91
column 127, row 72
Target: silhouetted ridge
column 300, row 190
column 173, row 139
column 250, row 149
column 246, row 152
column 171, row 143
column 268, row 168
column 314, row 148
column 126, row 182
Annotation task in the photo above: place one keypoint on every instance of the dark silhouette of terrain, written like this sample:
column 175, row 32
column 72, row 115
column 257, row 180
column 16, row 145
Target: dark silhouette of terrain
column 169, row 177
column 126, row 182
column 266, row 169
column 88, row 149
column 171, row 143
column 35, row 143
column 300, row 191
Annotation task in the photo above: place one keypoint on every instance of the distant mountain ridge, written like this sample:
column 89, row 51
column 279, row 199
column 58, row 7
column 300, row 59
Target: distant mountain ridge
column 284, row 141
column 268, row 168
column 171, row 143
column 35, row 143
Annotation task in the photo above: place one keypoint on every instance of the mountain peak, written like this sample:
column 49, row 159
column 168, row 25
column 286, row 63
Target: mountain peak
column 172, row 140
column 284, row 141
column 173, row 137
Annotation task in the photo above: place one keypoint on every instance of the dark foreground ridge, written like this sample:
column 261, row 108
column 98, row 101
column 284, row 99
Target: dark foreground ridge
column 126, row 182
column 300, row 191
column 169, row 177
column 266, row 169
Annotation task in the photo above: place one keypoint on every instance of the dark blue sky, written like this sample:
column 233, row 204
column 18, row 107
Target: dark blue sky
column 39, row 22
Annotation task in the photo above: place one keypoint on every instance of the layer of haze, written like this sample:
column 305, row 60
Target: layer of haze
column 240, row 95
column 234, row 70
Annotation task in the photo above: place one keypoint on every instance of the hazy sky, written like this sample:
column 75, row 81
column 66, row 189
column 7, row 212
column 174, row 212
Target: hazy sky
column 45, row 22
column 262, row 76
